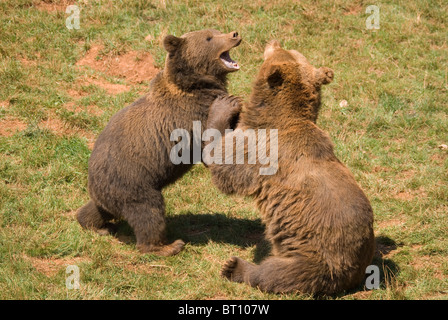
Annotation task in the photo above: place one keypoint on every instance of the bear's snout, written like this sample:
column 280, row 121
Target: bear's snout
column 234, row 36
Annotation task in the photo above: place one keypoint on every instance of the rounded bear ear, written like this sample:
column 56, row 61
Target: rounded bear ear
column 171, row 43
column 324, row 75
column 275, row 76
column 270, row 47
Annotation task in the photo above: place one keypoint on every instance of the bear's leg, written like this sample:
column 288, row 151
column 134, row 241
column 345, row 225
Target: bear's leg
column 147, row 219
column 90, row 216
column 278, row 274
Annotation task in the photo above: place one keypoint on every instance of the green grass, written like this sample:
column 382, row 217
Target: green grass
column 394, row 79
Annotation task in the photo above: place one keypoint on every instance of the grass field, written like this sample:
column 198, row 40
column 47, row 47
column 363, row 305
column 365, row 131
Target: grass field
column 59, row 87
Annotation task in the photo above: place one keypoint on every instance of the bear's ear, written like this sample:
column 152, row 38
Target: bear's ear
column 275, row 76
column 270, row 47
column 171, row 43
column 324, row 75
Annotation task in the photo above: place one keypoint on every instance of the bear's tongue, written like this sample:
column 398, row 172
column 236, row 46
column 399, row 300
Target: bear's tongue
column 228, row 62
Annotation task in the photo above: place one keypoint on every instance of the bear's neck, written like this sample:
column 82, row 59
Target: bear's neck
column 300, row 101
column 187, row 80
column 300, row 104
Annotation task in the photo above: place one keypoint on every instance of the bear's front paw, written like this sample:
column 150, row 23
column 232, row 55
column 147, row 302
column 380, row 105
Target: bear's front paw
column 224, row 113
column 162, row 250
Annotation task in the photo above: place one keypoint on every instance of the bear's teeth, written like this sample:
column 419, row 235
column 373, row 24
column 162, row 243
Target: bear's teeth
column 230, row 65
column 228, row 62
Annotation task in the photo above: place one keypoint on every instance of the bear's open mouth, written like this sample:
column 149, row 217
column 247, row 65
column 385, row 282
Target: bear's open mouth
column 228, row 62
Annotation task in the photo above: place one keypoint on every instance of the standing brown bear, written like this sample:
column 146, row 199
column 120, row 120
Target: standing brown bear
column 130, row 162
column 317, row 218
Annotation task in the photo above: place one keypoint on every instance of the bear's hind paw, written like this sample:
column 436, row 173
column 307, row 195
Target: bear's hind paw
column 233, row 269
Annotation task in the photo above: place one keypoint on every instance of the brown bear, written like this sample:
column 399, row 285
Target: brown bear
column 318, row 220
column 130, row 162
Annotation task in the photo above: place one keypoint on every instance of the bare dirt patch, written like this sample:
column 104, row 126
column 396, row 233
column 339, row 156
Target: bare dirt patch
column 9, row 126
column 432, row 263
column 51, row 266
column 353, row 10
column 134, row 66
column 391, row 223
column 405, row 196
column 60, row 128
column 378, row 169
column 76, row 93
column 427, row 263
column 110, row 88
column 4, row 104
column 438, row 158
column 410, row 195
column 52, row 5
column 57, row 126
column 363, row 295
column 28, row 63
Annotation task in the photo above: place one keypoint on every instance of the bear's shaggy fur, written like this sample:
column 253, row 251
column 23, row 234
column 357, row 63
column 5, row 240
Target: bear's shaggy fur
column 130, row 162
column 317, row 218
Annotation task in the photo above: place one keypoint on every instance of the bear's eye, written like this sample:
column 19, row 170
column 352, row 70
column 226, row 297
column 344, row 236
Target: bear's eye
column 209, row 38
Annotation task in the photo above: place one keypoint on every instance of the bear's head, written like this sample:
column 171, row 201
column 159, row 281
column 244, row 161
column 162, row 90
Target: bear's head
column 288, row 81
column 200, row 57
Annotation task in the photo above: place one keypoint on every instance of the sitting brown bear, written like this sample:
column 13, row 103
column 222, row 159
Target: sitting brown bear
column 130, row 162
column 317, row 218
